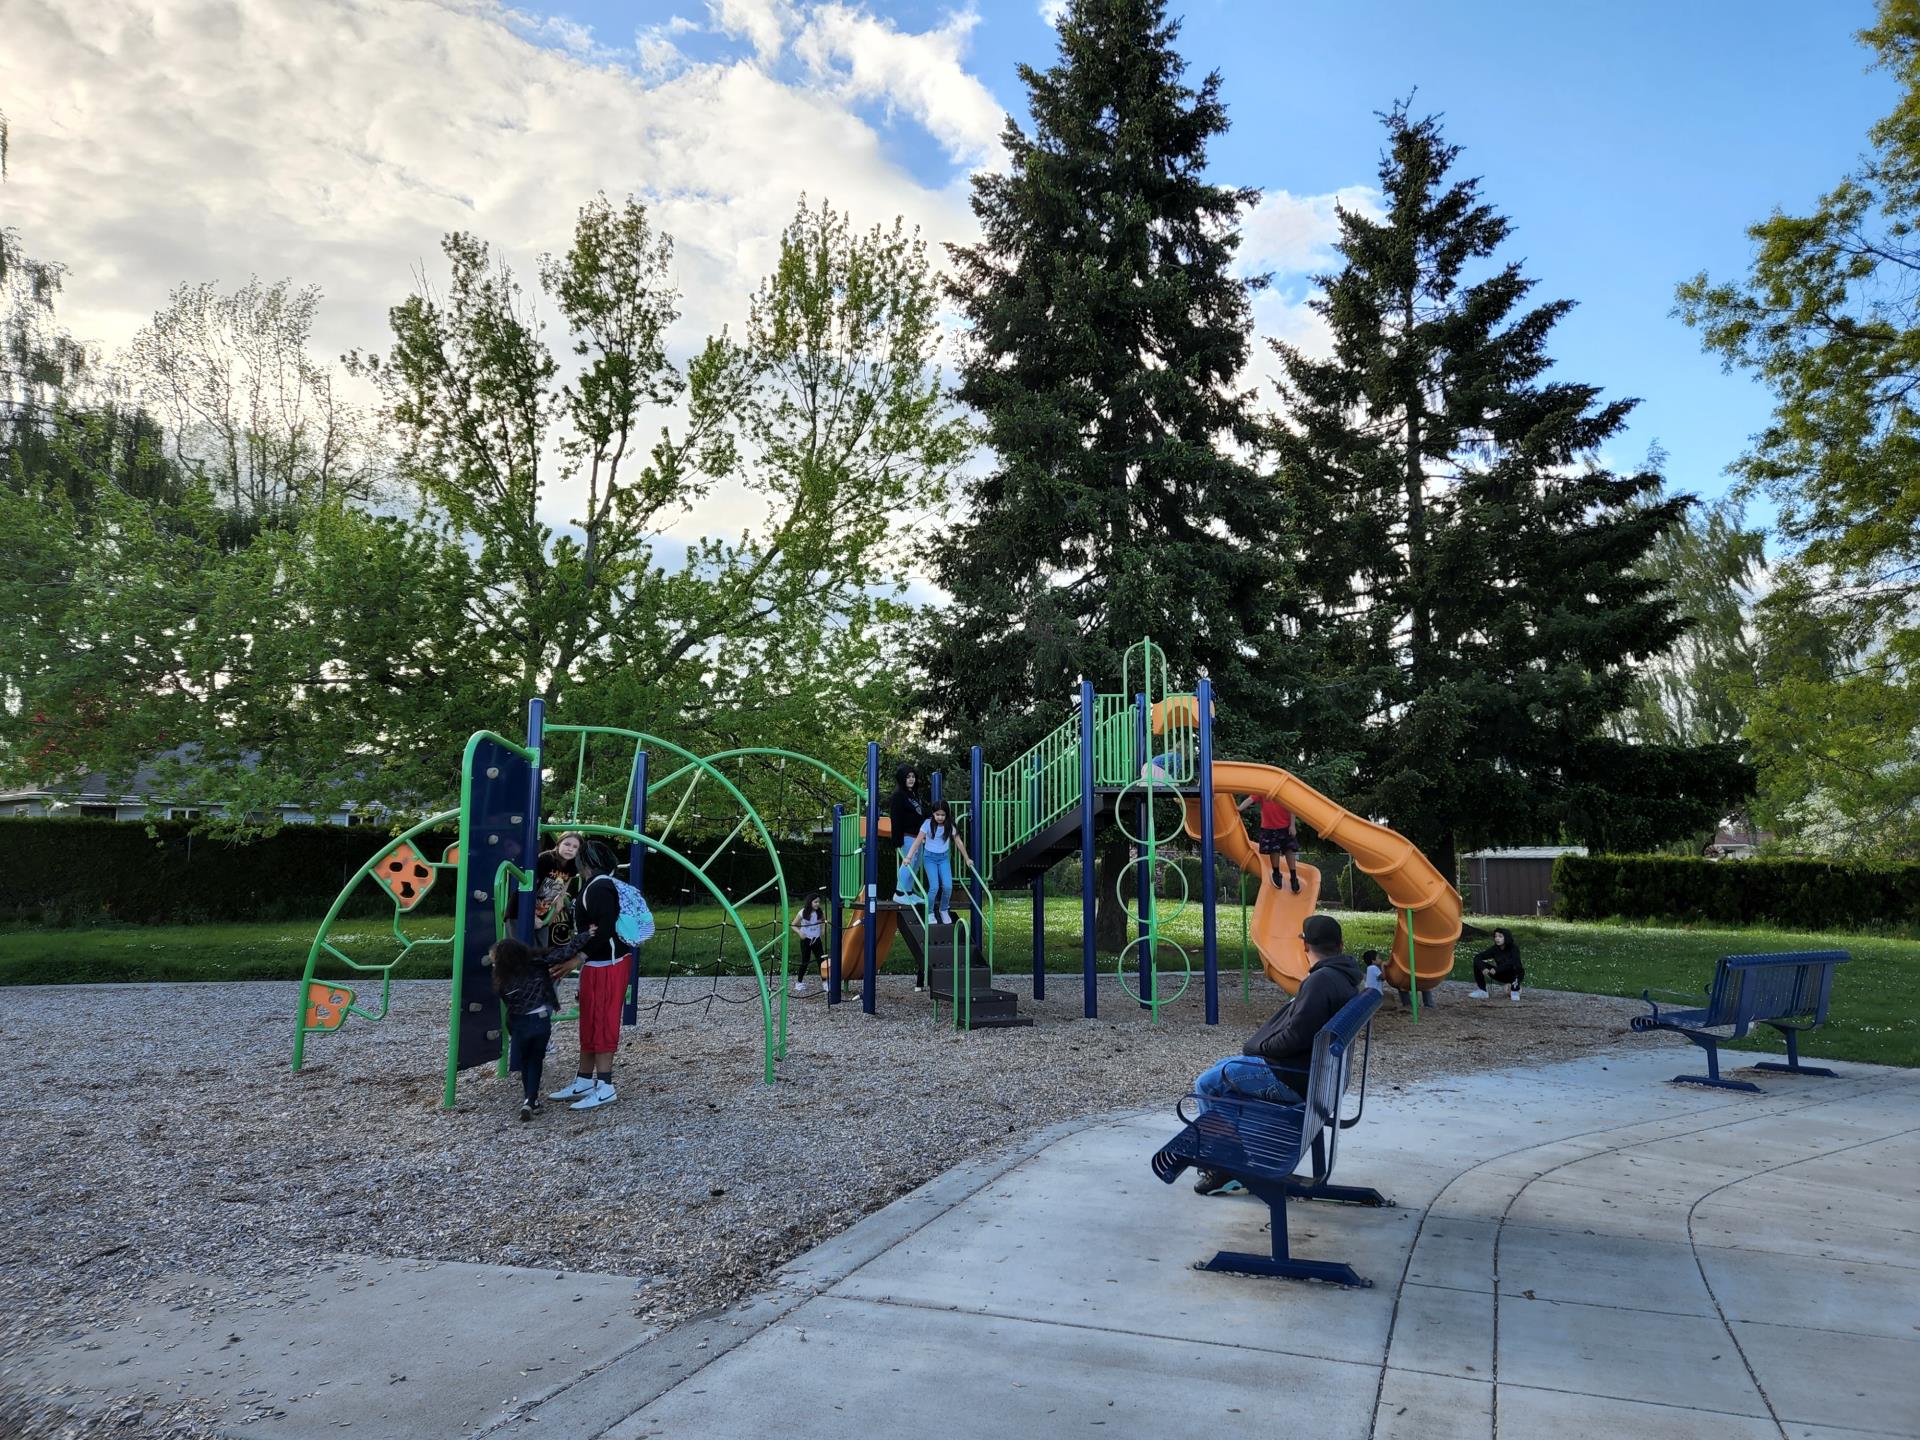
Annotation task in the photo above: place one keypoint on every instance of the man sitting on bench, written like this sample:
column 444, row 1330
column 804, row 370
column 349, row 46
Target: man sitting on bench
column 1273, row 1064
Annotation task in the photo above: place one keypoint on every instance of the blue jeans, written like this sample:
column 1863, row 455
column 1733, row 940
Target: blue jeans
column 939, row 879
column 528, row 1053
column 1241, row 1077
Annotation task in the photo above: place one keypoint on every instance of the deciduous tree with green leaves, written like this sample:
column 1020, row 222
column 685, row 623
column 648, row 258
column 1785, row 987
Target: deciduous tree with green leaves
column 1699, row 691
column 343, row 653
column 1828, row 317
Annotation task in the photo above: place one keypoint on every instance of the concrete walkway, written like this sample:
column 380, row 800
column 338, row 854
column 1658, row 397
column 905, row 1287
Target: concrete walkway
column 1576, row 1250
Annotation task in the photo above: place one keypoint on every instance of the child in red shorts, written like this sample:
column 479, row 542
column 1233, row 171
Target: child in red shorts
column 603, row 980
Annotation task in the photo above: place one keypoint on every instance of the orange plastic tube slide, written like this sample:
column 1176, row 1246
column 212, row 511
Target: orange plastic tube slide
column 1410, row 880
column 853, row 939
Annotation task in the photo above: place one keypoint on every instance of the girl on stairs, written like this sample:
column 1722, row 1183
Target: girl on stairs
column 938, row 839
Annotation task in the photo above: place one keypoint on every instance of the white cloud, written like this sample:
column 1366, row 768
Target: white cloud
column 1294, row 234
column 764, row 23
column 1053, row 11
column 924, row 74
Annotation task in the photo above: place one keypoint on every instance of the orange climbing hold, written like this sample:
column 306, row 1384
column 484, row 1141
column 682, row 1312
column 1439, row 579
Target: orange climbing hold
column 327, row 1005
column 403, row 872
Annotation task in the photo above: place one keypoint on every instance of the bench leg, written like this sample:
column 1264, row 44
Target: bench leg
column 1711, row 1045
column 1281, row 1264
column 1345, row 1194
column 1793, row 1065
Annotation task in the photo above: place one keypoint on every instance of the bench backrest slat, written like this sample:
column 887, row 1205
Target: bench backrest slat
column 1333, row 1062
column 1792, row 985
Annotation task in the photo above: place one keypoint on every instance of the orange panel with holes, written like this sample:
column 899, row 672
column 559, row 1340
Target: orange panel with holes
column 403, row 872
column 327, row 1005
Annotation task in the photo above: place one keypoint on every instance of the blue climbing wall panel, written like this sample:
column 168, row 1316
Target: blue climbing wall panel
column 496, row 828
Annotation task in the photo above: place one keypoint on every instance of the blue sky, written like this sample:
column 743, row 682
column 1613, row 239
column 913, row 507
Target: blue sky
column 1630, row 142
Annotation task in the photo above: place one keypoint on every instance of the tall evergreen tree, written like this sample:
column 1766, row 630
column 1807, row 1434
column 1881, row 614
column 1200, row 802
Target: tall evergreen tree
column 1474, row 598
column 1109, row 330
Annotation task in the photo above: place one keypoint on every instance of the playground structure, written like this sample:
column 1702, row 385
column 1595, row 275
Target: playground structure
column 1141, row 759
column 1098, row 768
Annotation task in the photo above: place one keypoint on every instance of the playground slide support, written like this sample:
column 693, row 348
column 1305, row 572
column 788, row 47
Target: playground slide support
column 1209, row 889
column 636, row 877
column 837, row 922
column 977, row 848
column 870, row 878
column 1143, row 906
column 1089, row 960
column 1040, row 937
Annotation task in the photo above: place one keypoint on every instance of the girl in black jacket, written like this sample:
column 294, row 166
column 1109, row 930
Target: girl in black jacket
column 523, row 979
column 1499, row 962
column 906, row 812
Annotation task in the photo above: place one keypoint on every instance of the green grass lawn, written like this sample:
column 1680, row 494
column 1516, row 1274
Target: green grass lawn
column 1875, row 1014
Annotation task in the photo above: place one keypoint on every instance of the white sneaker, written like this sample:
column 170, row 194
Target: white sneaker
column 1513, row 994
column 1476, row 994
column 601, row 1094
column 580, row 1086
column 799, row 988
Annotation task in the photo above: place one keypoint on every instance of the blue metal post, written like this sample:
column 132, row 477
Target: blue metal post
column 834, row 930
column 1040, row 937
column 870, row 878
column 1209, row 889
column 636, row 872
column 977, row 781
column 1143, row 903
column 530, row 820
column 1089, row 960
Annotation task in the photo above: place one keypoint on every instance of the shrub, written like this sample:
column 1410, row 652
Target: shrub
column 1803, row 894
column 56, row 872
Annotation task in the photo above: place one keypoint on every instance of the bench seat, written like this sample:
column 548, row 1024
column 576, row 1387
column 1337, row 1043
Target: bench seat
column 1262, row 1144
column 1787, row 990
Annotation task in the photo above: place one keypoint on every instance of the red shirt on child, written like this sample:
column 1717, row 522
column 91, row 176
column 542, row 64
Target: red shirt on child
column 1274, row 815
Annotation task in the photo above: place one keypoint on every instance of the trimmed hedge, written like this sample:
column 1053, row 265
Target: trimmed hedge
column 1802, row 894
column 93, row 872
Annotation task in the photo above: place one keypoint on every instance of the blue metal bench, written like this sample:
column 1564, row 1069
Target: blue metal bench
column 1788, row 991
column 1261, row 1144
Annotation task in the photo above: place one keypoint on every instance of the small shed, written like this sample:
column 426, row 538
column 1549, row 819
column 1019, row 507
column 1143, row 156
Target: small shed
column 1512, row 882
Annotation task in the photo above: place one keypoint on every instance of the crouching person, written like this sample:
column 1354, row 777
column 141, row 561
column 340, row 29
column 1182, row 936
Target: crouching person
column 1274, row 1063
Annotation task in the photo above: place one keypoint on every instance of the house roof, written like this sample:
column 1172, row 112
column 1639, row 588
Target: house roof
column 1527, row 852
column 91, row 786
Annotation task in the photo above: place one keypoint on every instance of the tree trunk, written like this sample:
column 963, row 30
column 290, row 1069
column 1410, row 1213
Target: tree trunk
column 1112, row 851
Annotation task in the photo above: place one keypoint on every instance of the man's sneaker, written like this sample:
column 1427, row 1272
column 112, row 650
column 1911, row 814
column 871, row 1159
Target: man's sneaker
column 526, row 1109
column 601, row 1094
column 1212, row 1182
column 1476, row 994
column 580, row 1086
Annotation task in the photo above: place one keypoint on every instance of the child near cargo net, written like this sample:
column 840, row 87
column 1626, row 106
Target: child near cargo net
column 523, row 979
column 618, row 916
column 811, row 926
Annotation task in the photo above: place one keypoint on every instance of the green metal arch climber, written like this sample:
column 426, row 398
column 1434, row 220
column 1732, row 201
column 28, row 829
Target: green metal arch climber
column 406, row 874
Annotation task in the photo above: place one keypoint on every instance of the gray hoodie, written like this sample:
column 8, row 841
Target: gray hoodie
column 1286, row 1041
